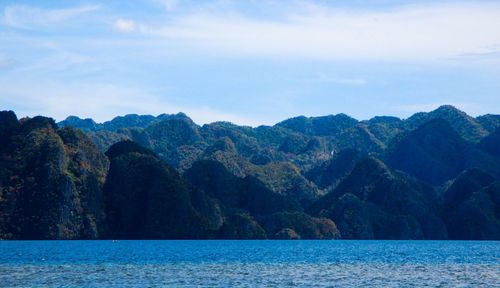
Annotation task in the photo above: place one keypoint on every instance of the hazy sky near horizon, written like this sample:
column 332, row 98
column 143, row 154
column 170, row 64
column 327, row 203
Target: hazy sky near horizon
column 248, row 62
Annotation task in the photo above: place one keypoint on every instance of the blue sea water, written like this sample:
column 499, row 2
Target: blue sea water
column 215, row 263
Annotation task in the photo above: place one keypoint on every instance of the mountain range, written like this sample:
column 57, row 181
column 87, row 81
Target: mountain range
column 434, row 175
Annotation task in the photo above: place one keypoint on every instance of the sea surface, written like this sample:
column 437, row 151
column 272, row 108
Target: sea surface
column 265, row 263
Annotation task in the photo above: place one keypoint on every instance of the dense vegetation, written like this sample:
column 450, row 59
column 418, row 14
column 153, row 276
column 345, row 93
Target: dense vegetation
column 434, row 175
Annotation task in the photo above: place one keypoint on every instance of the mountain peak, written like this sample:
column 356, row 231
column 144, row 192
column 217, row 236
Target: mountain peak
column 466, row 126
column 37, row 122
column 448, row 107
column 370, row 165
column 7, row 118
column 8, row 124
column 433, row 152
column 490, row 122
column 77, row 122
column 384, row 120
column 451, row 112
column 125, row 147
column 329, row 125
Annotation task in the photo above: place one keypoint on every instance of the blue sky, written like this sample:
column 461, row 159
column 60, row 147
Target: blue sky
column 248, row 62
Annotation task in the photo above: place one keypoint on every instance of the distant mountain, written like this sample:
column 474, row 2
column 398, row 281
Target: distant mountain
column 120, row 122
column 319, row 126
column 490, row 122
column 385, row 128
column 433, row 152
column 434, row 175
column 130, row 121
column 361, row 137
column 466, row 126
column 490, row 145
column 82, row 124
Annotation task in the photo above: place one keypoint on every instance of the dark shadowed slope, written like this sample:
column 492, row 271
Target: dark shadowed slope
column 472, row 206
column 433, row 152
column 147, row 199
column 466, row 126
column 50, row 181
column 374, row 202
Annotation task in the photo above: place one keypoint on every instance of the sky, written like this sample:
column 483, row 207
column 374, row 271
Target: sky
column 248, row 62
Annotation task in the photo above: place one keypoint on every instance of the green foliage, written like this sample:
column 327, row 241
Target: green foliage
column 433, row 152
column 330, row 172
column 472, row 205
column 330, row 125
column 241, row 226
column 490, row 144
column 467, row 127
column 490, row 122
column 147, row 199
column 242, row 193
column 50, row 181
column 166, row 177
column 299, row 225
column 373, row 196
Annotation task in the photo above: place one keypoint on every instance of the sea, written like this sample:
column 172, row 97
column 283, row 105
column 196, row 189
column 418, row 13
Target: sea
column 249, row 263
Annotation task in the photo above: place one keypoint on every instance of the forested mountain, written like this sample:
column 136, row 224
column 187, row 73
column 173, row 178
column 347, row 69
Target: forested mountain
column 435, row 175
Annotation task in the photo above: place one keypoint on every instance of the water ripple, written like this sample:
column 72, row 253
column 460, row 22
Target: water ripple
column 250, row 264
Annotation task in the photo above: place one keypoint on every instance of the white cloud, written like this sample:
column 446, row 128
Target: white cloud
column 169, row 5
column 101, row 102
column 29, row 17
column 125, row 25
column 349, row 81
column 416, row 32
column 337, row 80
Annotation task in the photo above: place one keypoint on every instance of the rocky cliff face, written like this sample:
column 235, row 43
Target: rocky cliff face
column 50, row 181
column 432, row 176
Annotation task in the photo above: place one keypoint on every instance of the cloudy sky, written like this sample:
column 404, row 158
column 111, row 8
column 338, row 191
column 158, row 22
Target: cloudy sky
column 248, row 62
